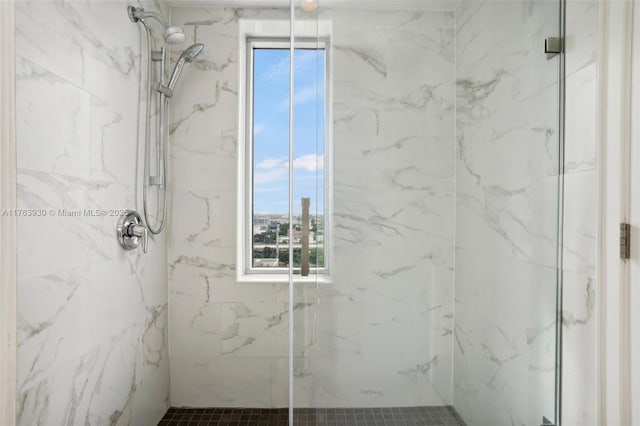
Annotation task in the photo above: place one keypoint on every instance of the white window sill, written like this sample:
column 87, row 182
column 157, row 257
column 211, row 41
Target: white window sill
column 283, row 279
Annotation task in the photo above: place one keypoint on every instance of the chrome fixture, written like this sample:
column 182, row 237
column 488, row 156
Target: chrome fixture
column 131, row 232
column 163, row 92
column 304, row 262
column 625, row 241
column 172, row 35
column 552, row 46
column 189, row 55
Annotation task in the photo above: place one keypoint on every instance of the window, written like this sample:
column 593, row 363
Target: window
column 264, row 166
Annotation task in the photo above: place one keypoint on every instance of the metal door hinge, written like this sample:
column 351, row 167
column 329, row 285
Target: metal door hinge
column 552, row 46
column 625, row 241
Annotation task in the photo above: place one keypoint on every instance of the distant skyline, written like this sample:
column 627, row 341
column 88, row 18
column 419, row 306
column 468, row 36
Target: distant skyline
column 271, row 130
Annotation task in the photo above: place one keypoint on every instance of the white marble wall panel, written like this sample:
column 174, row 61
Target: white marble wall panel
column 59, row 143
column 579, row 350
column 92, row 319
column 92, row 389
column 381, row 334
column 221, row 381
column 388, row 112
column 580, row 222
column 580, row 128
column 506, row 213
column 582, row 35
column 580, row 169
column 504, row 340
column 347, row 380
column 579, row 288
column 393, row 217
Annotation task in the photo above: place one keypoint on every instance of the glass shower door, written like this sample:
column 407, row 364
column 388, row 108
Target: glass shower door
column 432, row 236
column 508, row 217
column 373, row 332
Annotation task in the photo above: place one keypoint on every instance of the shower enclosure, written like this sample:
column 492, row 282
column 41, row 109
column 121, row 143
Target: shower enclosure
column 363, row 223
column 444, row 132
column 418, row 204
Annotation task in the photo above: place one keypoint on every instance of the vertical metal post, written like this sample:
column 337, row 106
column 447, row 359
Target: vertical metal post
column 625, row 241
column 291, row 88
column 277, row 244
column 560, row 221
column 304, row 258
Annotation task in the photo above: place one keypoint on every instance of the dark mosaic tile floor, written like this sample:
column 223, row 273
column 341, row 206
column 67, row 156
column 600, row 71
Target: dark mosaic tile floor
column 397, row 416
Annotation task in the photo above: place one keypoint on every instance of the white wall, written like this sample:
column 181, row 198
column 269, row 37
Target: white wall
column 8, row 188
column 506, row 213
column 579, row 321
column 223, row 338
column 503, row 211
column 383, row 330
column 92, row 317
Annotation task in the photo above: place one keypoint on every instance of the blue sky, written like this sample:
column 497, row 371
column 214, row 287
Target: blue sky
column 271, row 130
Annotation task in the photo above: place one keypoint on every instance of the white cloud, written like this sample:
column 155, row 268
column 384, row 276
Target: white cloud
column 271, row 189
column 309, row 162
column 305, row 61
column 302, row 96
column 273, row 170
column 271, row 176
column 258, row 129
column 271, row 163
column 305, row 95
column 278, row 70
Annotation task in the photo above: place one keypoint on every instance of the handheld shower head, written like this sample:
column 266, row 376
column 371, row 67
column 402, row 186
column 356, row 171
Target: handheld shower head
column 188, row 56
column 191, row 53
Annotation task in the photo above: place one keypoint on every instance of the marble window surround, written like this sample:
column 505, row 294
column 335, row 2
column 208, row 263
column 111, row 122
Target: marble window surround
column 229, row 339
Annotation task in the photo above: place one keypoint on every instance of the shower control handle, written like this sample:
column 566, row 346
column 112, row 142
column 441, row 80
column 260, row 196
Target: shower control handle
column 141, row 232
column 131, row 232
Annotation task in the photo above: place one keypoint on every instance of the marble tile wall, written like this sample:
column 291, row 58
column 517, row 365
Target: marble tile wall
column 93, row 319
column 226, row 338
column 393, row 217
column 579, row 322
column 381, row 333
column 506, row 213
column 361, row 340
column 92, row 337
column 485, row 375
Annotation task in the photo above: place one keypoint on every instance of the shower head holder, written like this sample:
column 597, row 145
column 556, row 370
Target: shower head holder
column 171, row 35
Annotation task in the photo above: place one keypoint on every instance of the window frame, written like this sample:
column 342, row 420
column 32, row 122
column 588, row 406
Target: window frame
column 246, row 272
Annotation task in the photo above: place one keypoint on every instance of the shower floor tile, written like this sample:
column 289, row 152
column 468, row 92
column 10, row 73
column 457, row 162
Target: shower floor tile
column 394, row 416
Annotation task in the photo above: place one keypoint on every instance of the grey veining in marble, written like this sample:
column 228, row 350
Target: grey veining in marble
column 380, row 334
column 579, row 295
column 435, row 129
column 506, row 213
column 92, row 335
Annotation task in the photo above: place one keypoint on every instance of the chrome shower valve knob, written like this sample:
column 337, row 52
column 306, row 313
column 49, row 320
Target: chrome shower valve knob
column 131, row 232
